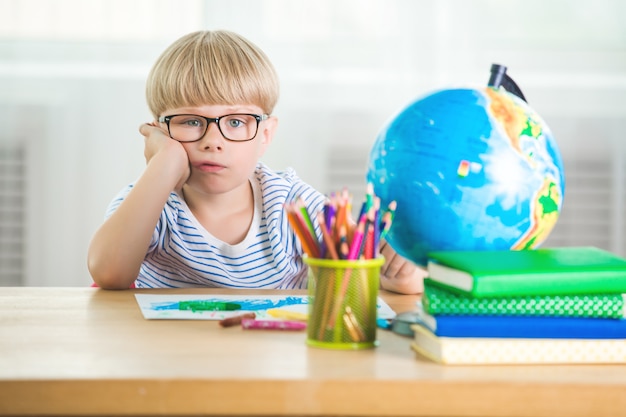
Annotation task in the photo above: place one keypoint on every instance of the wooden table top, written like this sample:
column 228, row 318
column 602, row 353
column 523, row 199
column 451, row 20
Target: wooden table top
column 86, row 351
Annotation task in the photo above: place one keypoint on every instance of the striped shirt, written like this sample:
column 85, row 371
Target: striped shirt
column 182, row 253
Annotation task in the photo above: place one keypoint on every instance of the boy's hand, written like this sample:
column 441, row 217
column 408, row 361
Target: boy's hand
column 399, row 274
column 157, row 140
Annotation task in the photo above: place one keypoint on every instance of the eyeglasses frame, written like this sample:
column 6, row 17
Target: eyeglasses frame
column 258, row 117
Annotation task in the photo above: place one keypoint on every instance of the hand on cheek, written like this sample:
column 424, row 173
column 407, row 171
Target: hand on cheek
column 157, row 141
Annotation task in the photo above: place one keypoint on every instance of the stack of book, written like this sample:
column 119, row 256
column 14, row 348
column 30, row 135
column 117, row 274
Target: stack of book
column 544, row 306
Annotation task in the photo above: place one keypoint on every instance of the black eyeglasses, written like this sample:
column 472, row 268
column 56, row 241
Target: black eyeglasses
column 238, row 127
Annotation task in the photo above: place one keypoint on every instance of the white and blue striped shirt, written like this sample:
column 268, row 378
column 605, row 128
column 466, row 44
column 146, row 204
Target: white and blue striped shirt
column 182, row 253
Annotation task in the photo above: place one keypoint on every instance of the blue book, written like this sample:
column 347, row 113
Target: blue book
column 531, row 327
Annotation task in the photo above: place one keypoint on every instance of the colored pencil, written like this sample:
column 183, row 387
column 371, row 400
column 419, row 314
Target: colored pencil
column 309, row 243
column 357, row 239
column 328, row 240
column 305, row 215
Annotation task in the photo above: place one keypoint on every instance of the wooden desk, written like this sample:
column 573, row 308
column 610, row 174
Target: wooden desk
column 84, row 351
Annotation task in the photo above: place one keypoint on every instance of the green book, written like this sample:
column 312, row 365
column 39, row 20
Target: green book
column 438, row 300
column 550, row 271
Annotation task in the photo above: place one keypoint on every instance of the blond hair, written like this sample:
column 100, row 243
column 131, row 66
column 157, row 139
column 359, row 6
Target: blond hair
column 212, row 67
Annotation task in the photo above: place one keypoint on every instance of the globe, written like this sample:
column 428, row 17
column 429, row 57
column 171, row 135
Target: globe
column 470, row 169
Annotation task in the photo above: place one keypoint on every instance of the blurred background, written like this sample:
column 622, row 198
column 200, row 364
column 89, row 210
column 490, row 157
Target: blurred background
column 72, row 76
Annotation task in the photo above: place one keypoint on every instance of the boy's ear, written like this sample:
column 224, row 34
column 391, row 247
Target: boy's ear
column 267, row 129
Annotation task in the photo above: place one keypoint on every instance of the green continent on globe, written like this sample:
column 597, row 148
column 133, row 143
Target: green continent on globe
column 523, row 124
column 470, row 169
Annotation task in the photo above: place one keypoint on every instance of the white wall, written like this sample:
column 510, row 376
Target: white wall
column 73, row 72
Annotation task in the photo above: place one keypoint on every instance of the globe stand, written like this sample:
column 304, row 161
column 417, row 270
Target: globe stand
column 499, row 78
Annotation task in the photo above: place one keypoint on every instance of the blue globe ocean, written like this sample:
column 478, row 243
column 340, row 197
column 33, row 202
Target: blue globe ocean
column 470, row 169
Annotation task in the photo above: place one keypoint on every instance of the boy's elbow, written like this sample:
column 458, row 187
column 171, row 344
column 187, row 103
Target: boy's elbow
column 110, row 285
column 107, row 277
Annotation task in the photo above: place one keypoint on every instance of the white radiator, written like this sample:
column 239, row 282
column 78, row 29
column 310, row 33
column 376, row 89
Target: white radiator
column 12, row 208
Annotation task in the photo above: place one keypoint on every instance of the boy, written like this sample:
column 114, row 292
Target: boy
column 205, row 212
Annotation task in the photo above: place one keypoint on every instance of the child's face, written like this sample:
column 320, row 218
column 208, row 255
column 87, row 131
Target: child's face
column 219, row 165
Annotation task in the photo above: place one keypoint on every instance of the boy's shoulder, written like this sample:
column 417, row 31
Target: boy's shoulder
column 265, row 175
column 285, row 184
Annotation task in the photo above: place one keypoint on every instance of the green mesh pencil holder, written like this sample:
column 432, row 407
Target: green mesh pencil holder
column 342, row 302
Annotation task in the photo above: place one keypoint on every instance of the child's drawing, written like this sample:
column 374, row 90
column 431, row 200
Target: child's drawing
column 166, row 306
